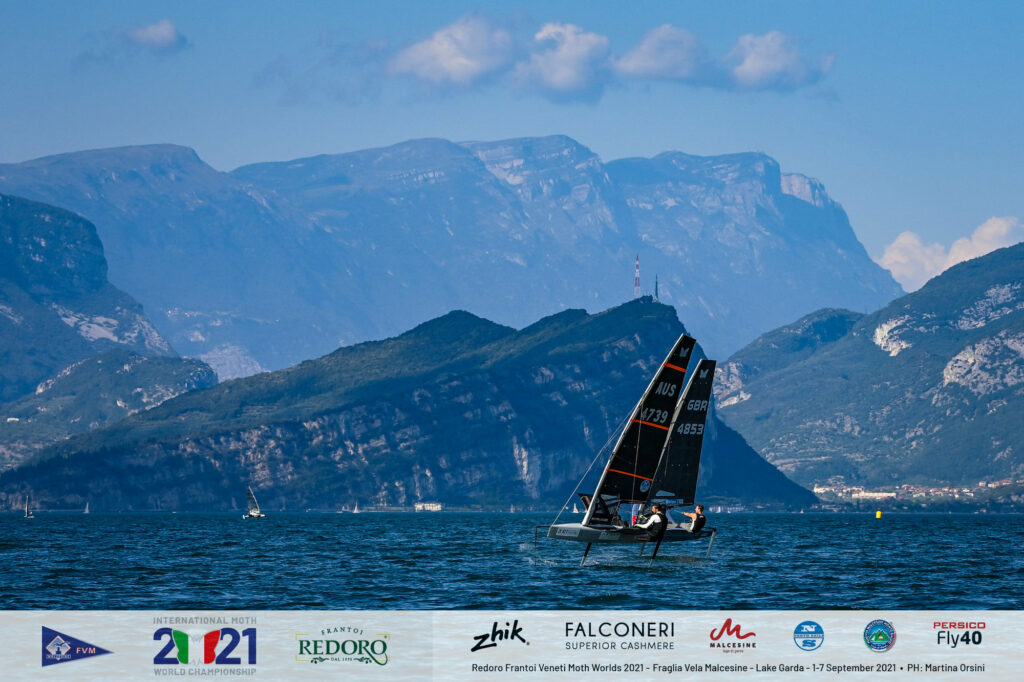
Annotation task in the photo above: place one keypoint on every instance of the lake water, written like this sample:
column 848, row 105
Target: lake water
column 488, row 561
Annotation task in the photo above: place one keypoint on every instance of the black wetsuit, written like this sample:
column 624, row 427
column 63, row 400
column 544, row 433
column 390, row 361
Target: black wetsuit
column 698, row 523
column 657, row 531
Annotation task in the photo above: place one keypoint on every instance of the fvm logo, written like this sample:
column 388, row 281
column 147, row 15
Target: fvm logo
column 61, row 648
column 505, row 634
column 218, row 647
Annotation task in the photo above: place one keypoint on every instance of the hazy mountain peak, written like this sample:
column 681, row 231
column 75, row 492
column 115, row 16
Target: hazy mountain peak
column 277, row 262
column 123, row 158
column 56, row 305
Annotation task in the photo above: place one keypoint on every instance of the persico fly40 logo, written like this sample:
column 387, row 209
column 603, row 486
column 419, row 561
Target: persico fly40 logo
column 226, row 646
column 61, row 648
column 959, row 633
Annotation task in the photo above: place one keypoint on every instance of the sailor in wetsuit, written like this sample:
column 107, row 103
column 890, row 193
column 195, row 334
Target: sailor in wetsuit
column 656, row 525
column 697, row 518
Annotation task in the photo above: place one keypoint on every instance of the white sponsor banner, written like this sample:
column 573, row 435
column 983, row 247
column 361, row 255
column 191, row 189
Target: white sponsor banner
column 510, row 645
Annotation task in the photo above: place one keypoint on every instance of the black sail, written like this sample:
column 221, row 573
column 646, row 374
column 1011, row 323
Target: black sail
column 631, row 468
column 676, row 477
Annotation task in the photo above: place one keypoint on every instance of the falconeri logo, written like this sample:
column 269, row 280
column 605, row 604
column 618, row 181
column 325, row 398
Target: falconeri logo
column 734, row 635
column 343, row 644
column 61, row 648
column 626, row 635
column 880, row 635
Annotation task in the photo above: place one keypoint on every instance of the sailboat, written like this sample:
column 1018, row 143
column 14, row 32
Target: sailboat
column 28, row 512
column 86, row 510
column 254, row 506
column 656, row 459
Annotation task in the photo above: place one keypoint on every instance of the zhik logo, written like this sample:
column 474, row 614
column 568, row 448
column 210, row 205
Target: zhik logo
column 506, row 634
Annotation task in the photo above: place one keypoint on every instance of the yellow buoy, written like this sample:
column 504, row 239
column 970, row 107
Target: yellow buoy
column 878, row 514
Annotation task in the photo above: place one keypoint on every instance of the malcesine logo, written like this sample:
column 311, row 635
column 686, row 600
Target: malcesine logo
column 508, row 633
column 732, row 632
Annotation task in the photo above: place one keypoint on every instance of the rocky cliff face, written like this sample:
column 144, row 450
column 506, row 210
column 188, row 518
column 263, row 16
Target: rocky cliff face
column 92, row 393
column 929, row 389
column 459, row 410
column 56, row 305
column 278, row 262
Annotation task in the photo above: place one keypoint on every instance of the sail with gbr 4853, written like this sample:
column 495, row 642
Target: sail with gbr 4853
column 655, row 460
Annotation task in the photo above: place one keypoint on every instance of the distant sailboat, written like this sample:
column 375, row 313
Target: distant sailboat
column 575, row 509
column 254, row 506
column 86, row 510
column 355, row 509
column 28, row 512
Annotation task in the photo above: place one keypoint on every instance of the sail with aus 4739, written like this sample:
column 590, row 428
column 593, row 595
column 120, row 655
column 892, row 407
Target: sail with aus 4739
column 630, row 471
column 656, row 458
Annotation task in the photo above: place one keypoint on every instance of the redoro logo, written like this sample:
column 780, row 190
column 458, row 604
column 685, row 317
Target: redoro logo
column 342, row 644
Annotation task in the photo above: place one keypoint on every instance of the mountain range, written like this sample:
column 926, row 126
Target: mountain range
column 927, row 390
column 274, row 263
column 75, row 351
column 459, row 410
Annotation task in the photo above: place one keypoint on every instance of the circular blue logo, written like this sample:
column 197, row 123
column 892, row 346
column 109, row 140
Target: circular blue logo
column 809, row 635
column 645, row 486
column 880, row 635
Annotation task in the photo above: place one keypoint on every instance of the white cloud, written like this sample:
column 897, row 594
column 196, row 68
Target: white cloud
column 912, row 262
column 566, row 63
column 458, row 54
column 773, row 61
column 159, row 37
column 666, row 52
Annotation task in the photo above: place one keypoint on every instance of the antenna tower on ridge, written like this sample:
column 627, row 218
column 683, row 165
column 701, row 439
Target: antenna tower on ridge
column 636, row 278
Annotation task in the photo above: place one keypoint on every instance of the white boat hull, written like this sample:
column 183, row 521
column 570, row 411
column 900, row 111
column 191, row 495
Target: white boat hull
column 577, row 532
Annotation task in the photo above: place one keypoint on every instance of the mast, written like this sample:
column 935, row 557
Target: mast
column 631, row 467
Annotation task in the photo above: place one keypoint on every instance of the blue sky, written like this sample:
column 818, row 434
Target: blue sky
column 909, row 112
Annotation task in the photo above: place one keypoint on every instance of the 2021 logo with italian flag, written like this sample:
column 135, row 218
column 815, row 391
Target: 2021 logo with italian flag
column 217, row 647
